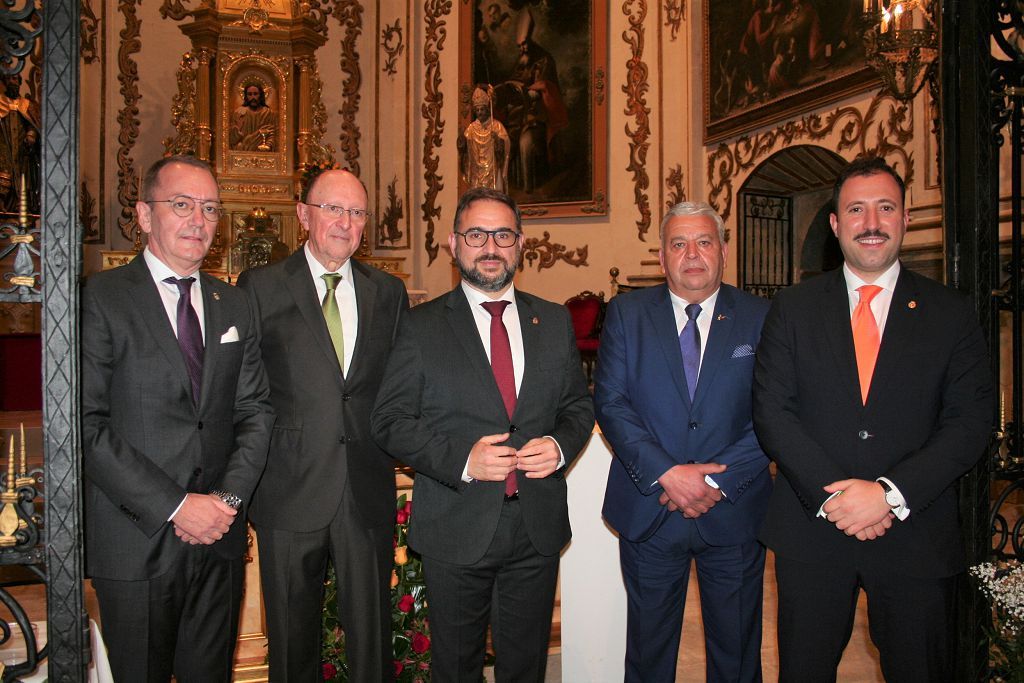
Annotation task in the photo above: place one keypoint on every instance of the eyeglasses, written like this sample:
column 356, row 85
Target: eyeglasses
column 182, row 205
column 335, row 211
column 478, row 238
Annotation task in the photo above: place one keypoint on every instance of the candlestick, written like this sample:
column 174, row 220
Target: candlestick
column 23, row 467
column 23, row 203
column 1002, row 410
column 10, row 469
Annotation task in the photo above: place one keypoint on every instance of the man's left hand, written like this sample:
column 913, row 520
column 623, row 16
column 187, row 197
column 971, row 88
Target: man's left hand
column 861, row 505
column 538, row 458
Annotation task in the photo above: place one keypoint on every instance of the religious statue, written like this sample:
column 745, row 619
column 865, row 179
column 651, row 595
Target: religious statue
column 20, row 153
column 254, row 123
column 484, row 147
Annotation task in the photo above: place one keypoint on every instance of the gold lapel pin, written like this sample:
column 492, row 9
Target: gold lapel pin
column 216, row 296
column 912, row 304
column 535, row 320
column 721, row 316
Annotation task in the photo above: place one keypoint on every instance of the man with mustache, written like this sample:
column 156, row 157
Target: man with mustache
column 872, row 392
column 484, row 397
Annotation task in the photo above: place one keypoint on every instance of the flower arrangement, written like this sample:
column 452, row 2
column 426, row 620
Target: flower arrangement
column 410, row 633
column 1003, row 585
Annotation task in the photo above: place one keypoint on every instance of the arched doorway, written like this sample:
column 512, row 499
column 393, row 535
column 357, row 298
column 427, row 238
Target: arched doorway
column 783, row 233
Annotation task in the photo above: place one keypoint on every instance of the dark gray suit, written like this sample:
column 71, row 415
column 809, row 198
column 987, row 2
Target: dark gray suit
column 328, row 488
column 438, row 398
column 146, row 444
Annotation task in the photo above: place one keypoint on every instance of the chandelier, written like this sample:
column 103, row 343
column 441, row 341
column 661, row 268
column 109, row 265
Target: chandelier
column 900, row 43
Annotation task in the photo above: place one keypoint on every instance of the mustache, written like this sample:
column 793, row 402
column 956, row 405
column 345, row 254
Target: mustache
column 871, row 233
column 490, row 257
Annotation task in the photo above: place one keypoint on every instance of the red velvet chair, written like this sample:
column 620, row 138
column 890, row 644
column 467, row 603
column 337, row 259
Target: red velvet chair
column 21, row 386
column 587, row 311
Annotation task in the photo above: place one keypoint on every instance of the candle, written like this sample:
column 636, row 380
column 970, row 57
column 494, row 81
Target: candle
column 1002, row 410
column 23, row 468
column 10, row 468
column 23, row 203
column 897, row 15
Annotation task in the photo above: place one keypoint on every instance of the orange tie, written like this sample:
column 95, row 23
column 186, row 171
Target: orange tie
column 865, row 337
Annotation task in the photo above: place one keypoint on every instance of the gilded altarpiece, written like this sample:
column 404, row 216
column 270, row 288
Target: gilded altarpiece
column 249, row 102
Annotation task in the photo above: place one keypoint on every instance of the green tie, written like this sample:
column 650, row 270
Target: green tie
column 332, row 314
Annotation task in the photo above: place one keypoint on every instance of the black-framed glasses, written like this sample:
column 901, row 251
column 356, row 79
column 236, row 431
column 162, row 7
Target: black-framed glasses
column 503, row 237
column 182, row 205
column 335, row 211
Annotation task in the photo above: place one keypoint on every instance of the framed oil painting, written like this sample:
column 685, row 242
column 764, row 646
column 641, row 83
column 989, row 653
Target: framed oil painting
column 533, row 114
column 765, row 60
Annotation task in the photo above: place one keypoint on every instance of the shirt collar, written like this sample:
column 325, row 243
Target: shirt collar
column 160, row 270
column 318, row 269
column 886, row 280
column 708, row 305
column 476, row 297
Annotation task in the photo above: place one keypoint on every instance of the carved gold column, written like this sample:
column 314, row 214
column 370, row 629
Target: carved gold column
column 305, row 66
column 204, row 106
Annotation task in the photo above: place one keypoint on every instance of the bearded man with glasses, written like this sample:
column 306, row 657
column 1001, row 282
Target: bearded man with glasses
column 484, row 397
column 327, row 325
column 176, row 421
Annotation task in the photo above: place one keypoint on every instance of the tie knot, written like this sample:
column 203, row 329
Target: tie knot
column 332, row 280
column 495, row 308
column 868, row 292
column 692, row 311
column 184, row 284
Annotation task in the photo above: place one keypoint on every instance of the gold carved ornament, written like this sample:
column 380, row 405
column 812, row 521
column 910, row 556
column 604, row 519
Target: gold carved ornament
column 636, row 105
column 128, row 179
column 435, row 33
column 388, row 230
column 890, row 135
column 391, row 40
column 349, row 14
column 674, row 183
column 183, row 109
column 548, row 253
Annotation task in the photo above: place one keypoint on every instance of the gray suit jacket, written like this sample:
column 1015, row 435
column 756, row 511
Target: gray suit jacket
column 146, row 444
column 321, row 441
column 439, row 397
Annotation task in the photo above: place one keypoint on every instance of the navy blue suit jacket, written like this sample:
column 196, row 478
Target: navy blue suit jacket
column 646, row 414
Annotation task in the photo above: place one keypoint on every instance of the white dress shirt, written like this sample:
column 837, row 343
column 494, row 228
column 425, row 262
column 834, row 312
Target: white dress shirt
column 345, row 295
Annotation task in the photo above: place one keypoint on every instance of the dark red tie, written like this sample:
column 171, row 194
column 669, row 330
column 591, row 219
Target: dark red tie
column 190, row 337
column 504, row 375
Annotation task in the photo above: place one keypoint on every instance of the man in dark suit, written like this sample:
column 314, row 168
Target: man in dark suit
column 873, row 394
column 484, row 397
column 175, row 426
column 327, row 323
column 689, row 481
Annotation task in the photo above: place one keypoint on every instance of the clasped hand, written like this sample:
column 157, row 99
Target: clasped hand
column 685, row 489
column 488, row 461
column 860, row 509
column 203, row 519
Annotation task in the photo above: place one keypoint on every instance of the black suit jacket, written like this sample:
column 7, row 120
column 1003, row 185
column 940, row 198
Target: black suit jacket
column 146, row 444
column 322, row 440
column 926, row 422
column 439, row 397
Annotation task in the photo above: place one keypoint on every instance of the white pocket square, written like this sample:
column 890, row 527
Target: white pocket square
column 230, row 336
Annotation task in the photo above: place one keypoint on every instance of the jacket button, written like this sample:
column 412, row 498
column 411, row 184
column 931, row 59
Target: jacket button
column 341, row 440
column 197, row 471
column 863, row 434
column 345, row 397
column 200, row 425
column 512, row 429
column 693, row 425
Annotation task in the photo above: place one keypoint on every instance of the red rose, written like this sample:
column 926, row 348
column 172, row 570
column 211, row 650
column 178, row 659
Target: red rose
column 329, row 671
column 405, row 603
column 408, row 507
column 398, row 667
column 420, row 643
column 402, row 517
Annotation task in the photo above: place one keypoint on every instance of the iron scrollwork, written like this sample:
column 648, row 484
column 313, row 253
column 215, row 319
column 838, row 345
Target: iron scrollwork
column 19, row 29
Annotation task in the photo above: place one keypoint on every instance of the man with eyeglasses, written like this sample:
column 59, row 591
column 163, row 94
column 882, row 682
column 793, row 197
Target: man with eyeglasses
column 176, row 422
column 484, row 396
column 327, row 326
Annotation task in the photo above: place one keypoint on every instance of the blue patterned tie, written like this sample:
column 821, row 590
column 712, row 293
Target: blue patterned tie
column 689, row 344
column 190, row 336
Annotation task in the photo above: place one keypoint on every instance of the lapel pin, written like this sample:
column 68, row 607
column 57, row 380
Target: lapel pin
column 535, row 320
column 912, row 304
column 722, row 316
column 216, row 296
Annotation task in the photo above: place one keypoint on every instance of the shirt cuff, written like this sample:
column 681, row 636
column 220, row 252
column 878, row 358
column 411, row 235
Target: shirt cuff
column 178, row 508
column 711, row 482
column 901, row 511
column 465, row 472
column 821, row 510
column 561, row 456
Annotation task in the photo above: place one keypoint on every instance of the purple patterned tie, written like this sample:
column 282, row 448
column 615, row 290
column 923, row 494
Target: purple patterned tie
column 504, row 375
column 190, row 336
column 689, row 344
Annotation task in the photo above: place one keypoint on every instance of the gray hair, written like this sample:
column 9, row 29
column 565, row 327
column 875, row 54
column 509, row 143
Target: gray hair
column 693, row 209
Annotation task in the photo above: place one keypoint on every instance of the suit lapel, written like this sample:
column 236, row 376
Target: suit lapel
column 464, row 329
column 300, row 285
column 151, row 308
column 366, row 298
column 835, row 315
column 719, row 335
column 663, row 319
column 530, row 325
column 900, row 330
column 213, row 324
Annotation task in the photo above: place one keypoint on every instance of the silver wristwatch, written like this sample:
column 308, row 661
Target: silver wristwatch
column 230, row 499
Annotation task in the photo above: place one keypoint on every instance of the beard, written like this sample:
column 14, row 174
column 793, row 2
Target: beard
column 494, row 283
